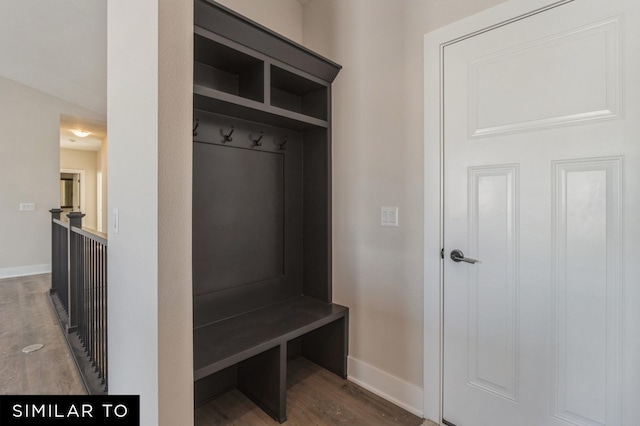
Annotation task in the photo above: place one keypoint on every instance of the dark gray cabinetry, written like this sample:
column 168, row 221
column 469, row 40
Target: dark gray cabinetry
column 261, row 210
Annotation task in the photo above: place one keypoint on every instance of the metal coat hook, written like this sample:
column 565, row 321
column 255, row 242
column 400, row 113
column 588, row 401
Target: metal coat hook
column 195, row 128
column 282, row 146
column 227, row 138
column 256, row 142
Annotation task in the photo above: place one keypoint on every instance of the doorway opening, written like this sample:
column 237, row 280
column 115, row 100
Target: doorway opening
column 83, row 152
column 71, row 198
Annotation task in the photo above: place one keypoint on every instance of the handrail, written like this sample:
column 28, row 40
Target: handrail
column 79, row 295
column 96, row 236
column 61, row 223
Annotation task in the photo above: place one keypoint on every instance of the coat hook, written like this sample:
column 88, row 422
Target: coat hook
column 282, row 146
column 227, row 138
column 256, row 142
column 195, row 128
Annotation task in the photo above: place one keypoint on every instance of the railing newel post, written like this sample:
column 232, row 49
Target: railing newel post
column 55, row 256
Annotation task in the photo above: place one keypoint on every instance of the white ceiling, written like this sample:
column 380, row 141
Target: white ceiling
column 70, row 141
column 58, row 47
column 93, row 142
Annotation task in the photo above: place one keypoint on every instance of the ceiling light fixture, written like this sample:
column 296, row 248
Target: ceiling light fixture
column 80, row 133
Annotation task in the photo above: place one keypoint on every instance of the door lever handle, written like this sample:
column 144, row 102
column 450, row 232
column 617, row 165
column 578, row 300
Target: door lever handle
column 458, row 256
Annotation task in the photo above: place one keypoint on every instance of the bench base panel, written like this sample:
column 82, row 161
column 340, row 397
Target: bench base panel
column 263, row 380
column 263, row 377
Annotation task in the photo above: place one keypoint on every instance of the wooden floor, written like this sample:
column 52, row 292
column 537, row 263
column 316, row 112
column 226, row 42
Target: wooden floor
column 314, row 397
column 26, row 318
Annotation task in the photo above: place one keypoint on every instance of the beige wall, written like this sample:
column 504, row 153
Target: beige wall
column 377, row 271
column 425, row 16
column 175, row 171
column 84, row 160
column 378, row 160
column 30, row 171
column 281, row 16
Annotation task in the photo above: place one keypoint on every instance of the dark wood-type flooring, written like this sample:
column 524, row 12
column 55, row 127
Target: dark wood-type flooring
column 314, row 397
column 27, row 318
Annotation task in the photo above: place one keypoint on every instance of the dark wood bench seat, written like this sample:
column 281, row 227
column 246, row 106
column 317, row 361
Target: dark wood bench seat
column 256, row 344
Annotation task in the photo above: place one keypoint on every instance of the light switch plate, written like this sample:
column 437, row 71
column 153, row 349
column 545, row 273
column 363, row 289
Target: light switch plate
column 116, row 221
column 389, row 216
column 27, row 207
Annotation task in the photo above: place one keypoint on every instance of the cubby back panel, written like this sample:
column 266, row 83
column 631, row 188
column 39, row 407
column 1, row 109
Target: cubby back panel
column 247, row 218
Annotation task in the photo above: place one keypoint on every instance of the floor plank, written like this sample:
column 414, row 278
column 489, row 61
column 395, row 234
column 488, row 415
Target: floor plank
column 314, row 397
column 26, row 318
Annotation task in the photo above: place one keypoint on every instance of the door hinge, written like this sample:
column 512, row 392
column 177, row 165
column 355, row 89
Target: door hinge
column 442, row 254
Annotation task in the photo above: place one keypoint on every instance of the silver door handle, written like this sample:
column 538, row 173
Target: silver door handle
column 458, row 256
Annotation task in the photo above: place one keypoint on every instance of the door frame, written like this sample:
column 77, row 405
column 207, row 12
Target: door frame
column 83, row 205
column 433, row 308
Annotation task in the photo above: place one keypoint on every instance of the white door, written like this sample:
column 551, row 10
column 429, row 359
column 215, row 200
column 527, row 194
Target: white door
column 542, row 185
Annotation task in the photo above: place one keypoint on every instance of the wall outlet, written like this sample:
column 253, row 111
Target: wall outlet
column 27, row 207
column 389, row 216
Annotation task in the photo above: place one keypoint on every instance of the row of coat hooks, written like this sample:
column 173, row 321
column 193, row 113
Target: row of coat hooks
column 255, row 140
column 227, row 136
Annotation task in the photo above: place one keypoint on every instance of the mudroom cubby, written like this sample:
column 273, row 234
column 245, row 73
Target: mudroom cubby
column 299, row 94
column 222, row 68
column 261, row 211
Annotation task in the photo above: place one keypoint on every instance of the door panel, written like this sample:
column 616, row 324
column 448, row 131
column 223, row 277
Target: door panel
column 541, row 175
column 554, row 95
column 492, row 290
column 587, row 270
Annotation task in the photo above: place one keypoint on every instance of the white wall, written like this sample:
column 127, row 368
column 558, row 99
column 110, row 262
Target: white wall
column 58, row 47
column 150, row 48
column 84, row 160
column 281, row 16
column 30, row 173
column 132, row 104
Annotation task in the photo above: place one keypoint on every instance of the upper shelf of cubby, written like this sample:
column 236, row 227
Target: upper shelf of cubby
column 211, row 100
column 246, row 70
column 226, row 69
column 232, row 26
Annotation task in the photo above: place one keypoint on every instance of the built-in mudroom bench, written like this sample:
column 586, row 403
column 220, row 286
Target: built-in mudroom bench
column 262, row 290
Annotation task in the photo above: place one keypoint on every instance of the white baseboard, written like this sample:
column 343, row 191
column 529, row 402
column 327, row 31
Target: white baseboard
column 393, row 389
column 22, row 271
